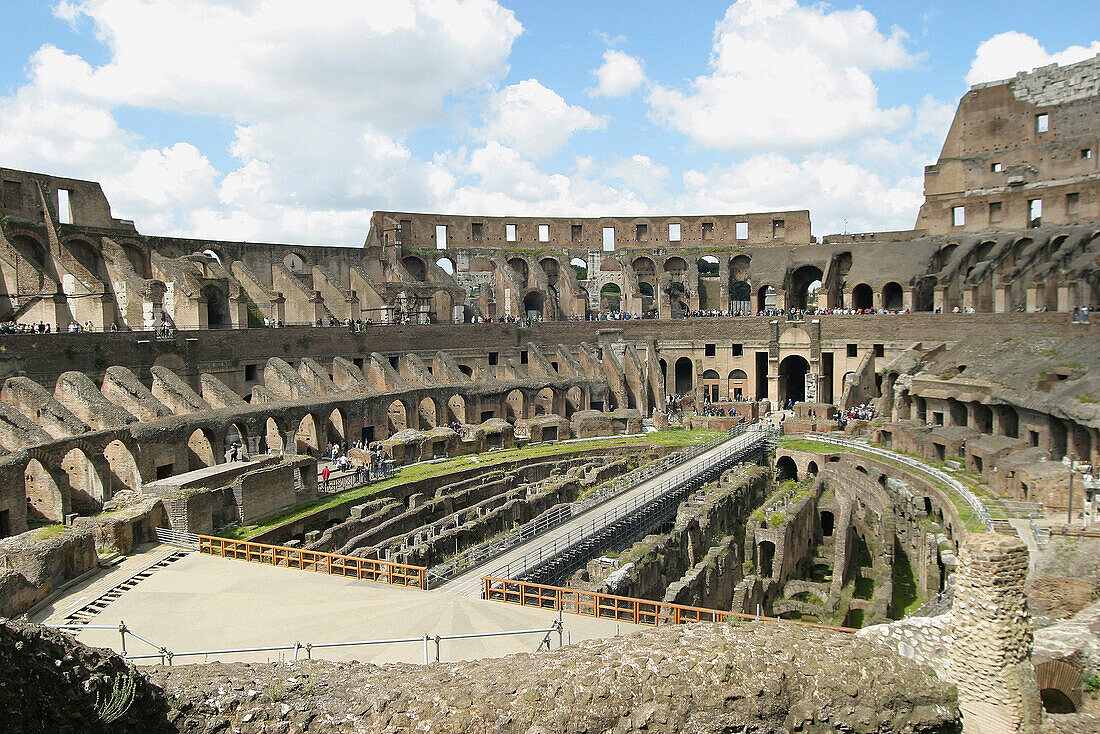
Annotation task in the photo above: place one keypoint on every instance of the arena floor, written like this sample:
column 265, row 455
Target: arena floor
column 202, row 603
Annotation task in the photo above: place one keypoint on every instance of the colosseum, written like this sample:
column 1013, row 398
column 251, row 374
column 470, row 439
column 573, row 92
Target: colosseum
column 848, row 478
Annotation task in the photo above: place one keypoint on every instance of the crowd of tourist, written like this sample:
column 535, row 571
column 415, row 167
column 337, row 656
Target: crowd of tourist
column 711, row 410
column 864, row 412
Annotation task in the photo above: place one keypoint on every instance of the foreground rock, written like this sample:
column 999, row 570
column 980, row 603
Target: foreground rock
column 702, row 678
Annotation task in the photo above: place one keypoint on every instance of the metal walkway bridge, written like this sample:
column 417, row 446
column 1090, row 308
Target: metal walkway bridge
column 549, row 556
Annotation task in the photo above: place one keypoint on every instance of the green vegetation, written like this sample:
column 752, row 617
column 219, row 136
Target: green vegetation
column 668, row 439
column 49, row 531
column 1090, row 682
column 906, row 598
column 865, row 588
column 1087, row 399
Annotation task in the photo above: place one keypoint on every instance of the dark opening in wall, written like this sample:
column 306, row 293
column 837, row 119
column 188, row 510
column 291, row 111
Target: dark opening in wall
column 523, row 357
column 827, row 522
column 880, row 350
column 709, row 350
column 1033, row 437
column 641, row 232
column 575, row 233
column 853, row 350
column 940, row 451
column 476, row 231
column 358, row 362
column 738, row 350
column 493, row 356
column 937, row 418
column 597, row 405
column 708, row 230
column 488, row 415
column 394, row 361
column 12, row 195
column 5, row 523
column 761, row 375
column 251, row 372
column 165, row 470
column 367, row 434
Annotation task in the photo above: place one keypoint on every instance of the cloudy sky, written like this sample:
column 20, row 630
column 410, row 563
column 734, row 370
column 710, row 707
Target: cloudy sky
column 290, row 121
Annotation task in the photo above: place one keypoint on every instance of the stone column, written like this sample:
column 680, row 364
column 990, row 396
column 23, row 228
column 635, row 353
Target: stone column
column 990, row 659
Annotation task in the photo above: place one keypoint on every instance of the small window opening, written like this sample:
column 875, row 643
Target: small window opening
column 1034, row 213
column 523, row 357
column 1042, row 123
column 493, row 357
column 1086, row 153
column 708, row 230
column 544, row 233
column 575, row 232
column 251, row 372
column 880, row 350
column 709, row 350
column 995, row 209
column 608, row 239
column 64, row 208
column 853, row 350
column 674, row 232
column 738, row 350
column 1072, row 200
column 741, row 230
column 510, row 233
column 441, row 236
column 958, row 216
column 476, row 231
column 779, row 228
column 641, row 232
column 996, row 168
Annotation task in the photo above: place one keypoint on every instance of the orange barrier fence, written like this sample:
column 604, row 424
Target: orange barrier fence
column 619, row 608
column 383, row 572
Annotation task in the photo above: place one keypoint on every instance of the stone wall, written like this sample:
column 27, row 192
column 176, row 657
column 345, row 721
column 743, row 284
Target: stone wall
column 33, row 565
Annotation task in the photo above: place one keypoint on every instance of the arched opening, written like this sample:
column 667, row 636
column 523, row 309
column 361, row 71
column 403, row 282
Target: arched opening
column 532, row 305
column 85, row 484
column 519, row 267
column 711, row 382
column 827, row 523
column 513, row 406
column 544, row 401
column 943, row 256
column 785, row 469
column 1057, row 702
column 428, row 412
column 574, row 401
column 396, row 418
column 235, row 443
column 685, row 376
column 336, row 429
column 88, row 256
column 799, row 293
column 740, row 296
column 217, row 307
column 766, row 297
column 676, row 267
column 892, row 296
column 456, row 409
column 811, row 469
column 792, row 379
column 305, row 438
column 138, row 260
column 200, row 451
column 736, row 385
column 708, row 285
column 862, row 297
column 273, row 436
column 295, row 263
column 813, row 291
column 123, row 471
column 445, row 264
column 610, row 298
column 551, row 267
column 580, row 267
column 45, row 501
column 644, row 268
column 767, row 558
column 414, row 266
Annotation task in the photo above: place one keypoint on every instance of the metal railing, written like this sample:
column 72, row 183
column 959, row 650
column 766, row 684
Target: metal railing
column 383, row 572
column 332, row 485
column 547, row 551
column 1041, row 535
column 618, row 608
column 166, row 656
column 976, row 505
column 475, row 555
column 937, row 605
column 180, row 538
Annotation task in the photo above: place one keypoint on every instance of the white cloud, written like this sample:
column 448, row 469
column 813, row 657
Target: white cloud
column 787, row 77
column 1001, row 56
column 640, row 173
column 618, row 76
column 534, row 120
column 834, row 189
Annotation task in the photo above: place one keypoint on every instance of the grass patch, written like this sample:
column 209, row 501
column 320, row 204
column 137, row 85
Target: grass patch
column 865, row 588
column 49, row 531
column 414, row 472
column 1087, row 399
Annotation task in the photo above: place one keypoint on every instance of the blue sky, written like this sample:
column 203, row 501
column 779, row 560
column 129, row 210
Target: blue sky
column 279, row 120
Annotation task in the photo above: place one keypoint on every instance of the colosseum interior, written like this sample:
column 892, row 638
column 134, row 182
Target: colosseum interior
column 919, row 509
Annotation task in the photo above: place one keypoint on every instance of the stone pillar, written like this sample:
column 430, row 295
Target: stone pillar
column 1002, row 299
column 990, row 659
column 1034, row 298
column 1067, row 298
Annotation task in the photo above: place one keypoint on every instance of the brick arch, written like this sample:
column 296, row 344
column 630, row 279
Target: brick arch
column 1058, row 675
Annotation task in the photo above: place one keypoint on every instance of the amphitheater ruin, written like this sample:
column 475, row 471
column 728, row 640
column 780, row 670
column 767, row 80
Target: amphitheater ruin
column 848, row 478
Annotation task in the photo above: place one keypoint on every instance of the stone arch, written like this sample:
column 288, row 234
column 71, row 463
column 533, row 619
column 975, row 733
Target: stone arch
column 217, row 306
column 544, row 401
column 552, row 268
column 711, row 385
column 610, row 298
column 533, row 305
column 122, row 468
column 86, row 492
column 456, row 409
column 580, row 268
column 828, row 523
column 396, row 417
column 766, row 297
column 785, row 469
column 513, row 405
column 574, row 400
column 811, row 469
column 792, row 378
column 862, row 296
column 519, row 267
column 644, row 267
column 892, row 296
column 766, row 554
column 676, row 266
column 798, row 293
column 336, row 427
column 295, row 263
column 925, row 295
column 428, row 412
column 88, row 256
column 943, row 256
column 1060, row 686
column 139, row 260
column 415, row 267
column 200, row 450
column 235, row 435
column 45, row 499
column 737, row 383
column 307, row 439
column 273, row 436
column 684, row 376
